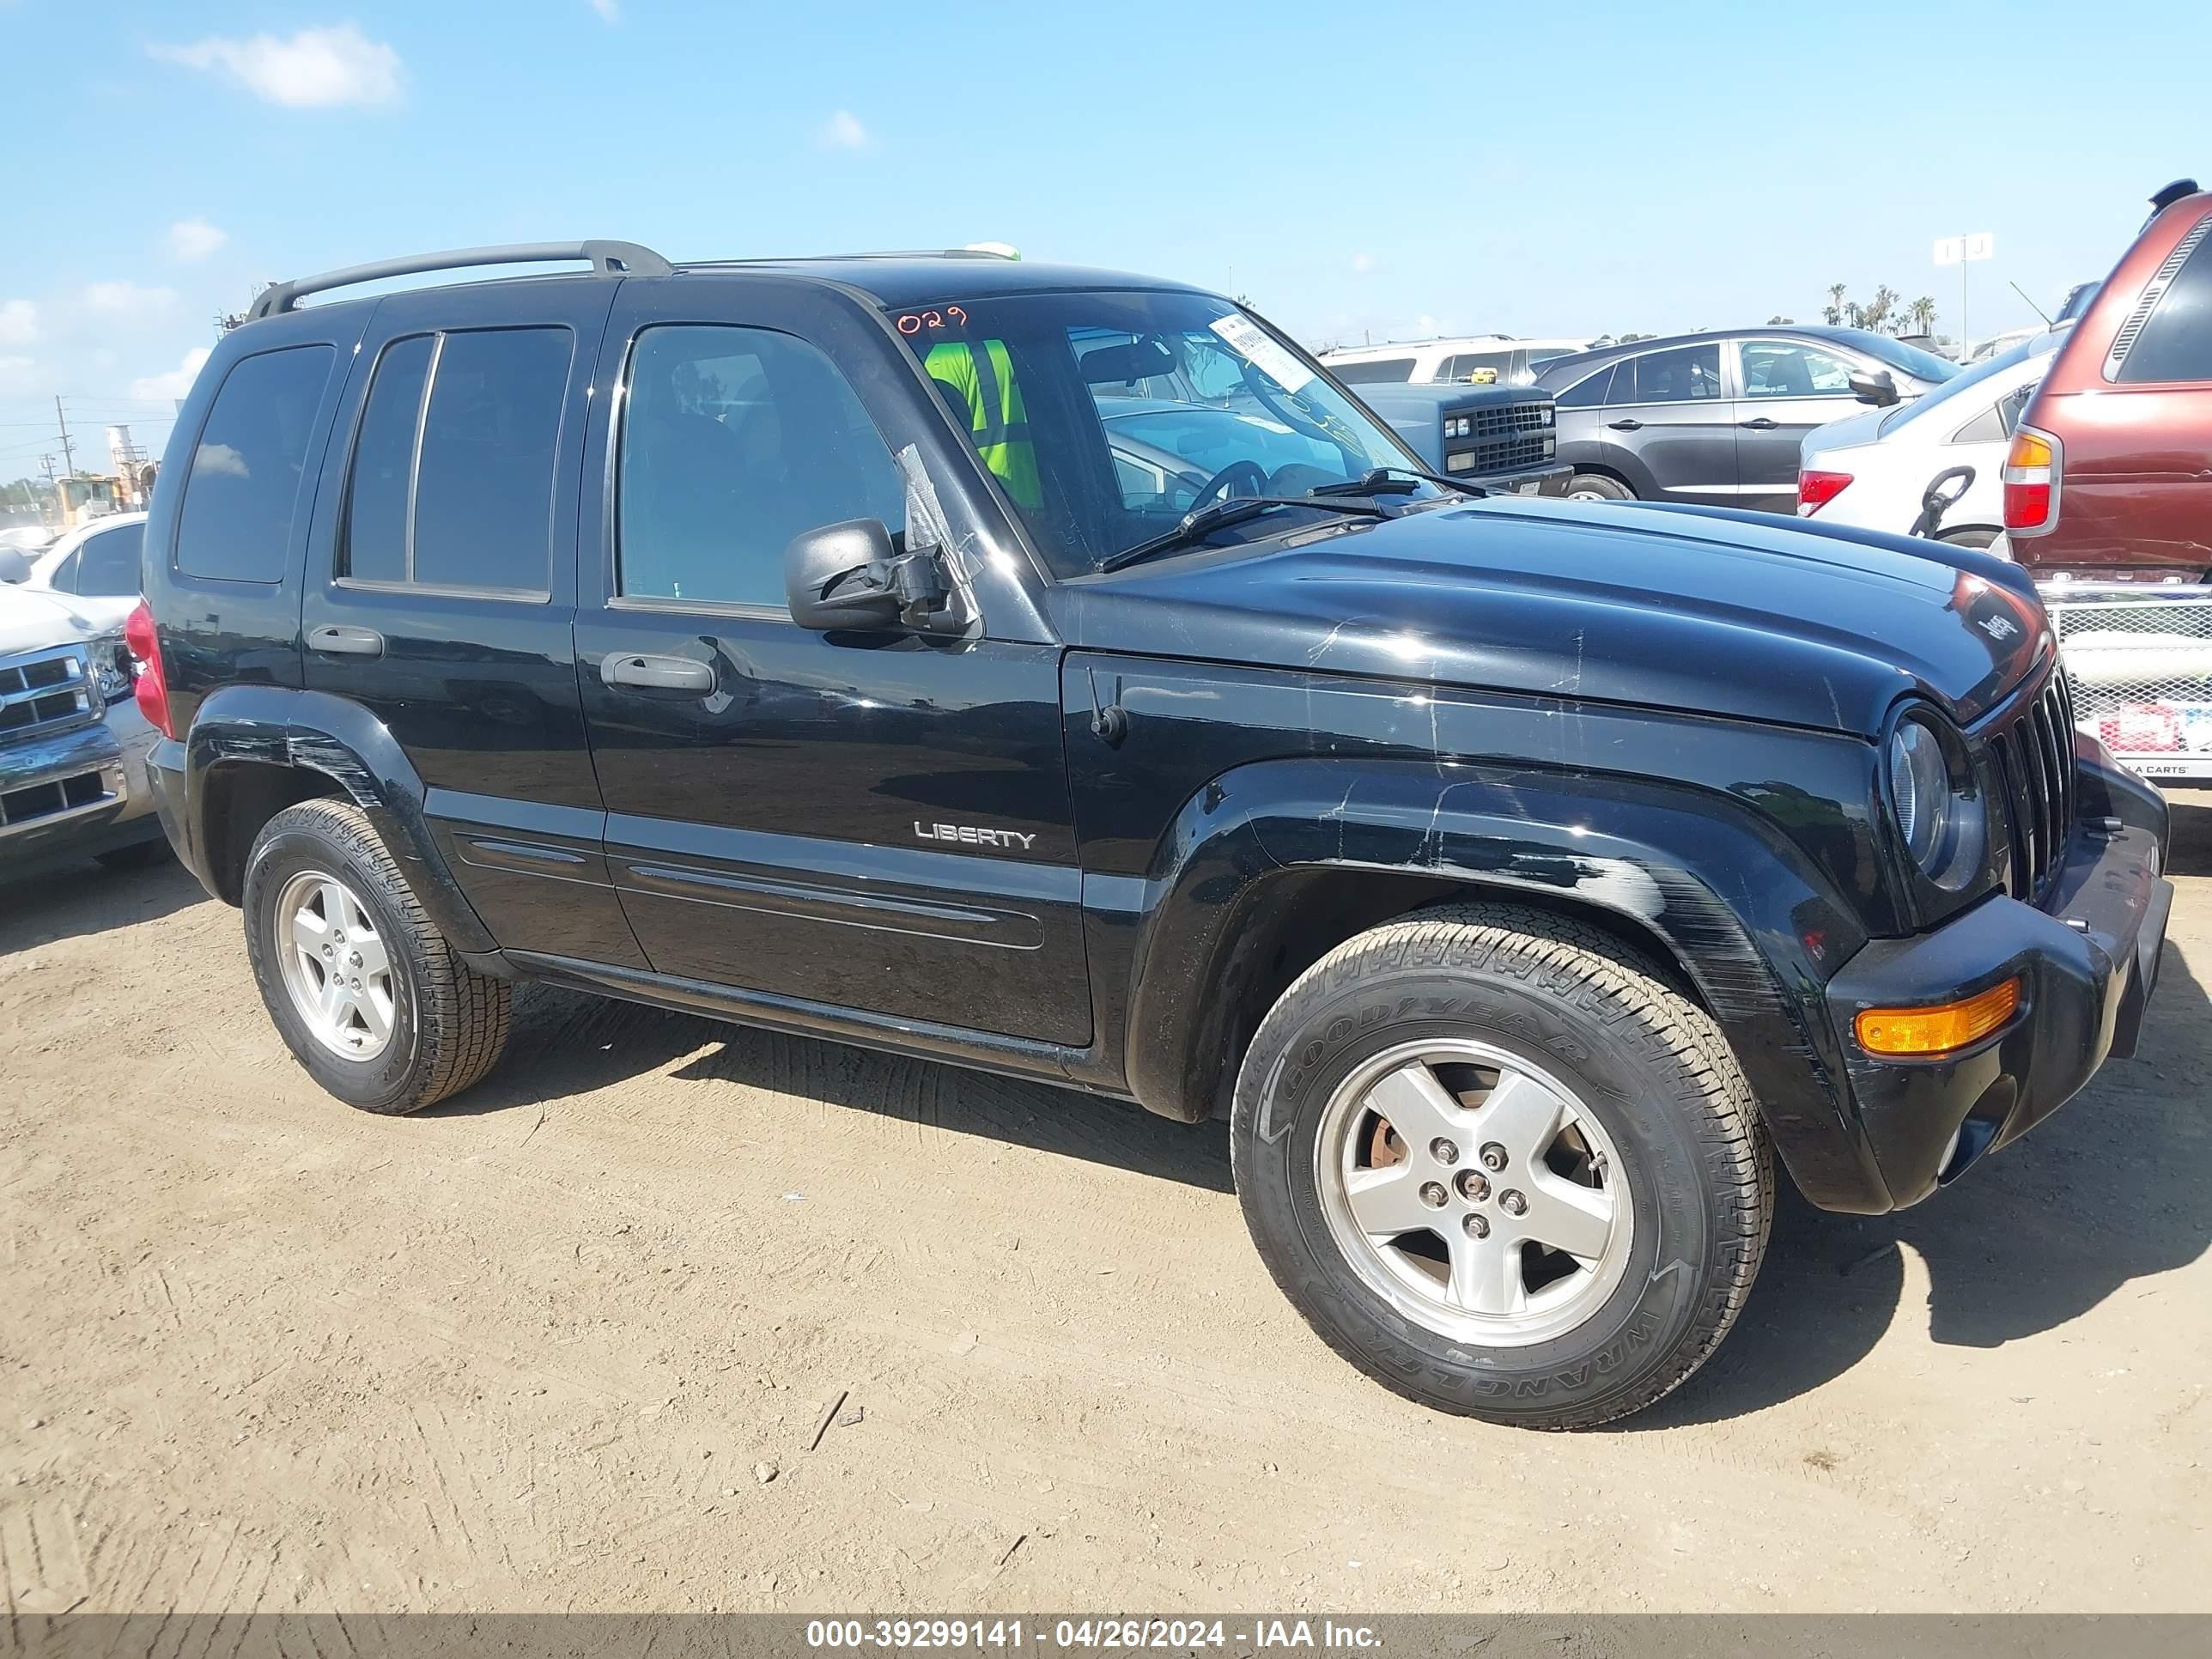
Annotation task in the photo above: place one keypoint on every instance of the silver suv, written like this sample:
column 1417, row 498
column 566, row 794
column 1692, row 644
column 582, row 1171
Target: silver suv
column 73, row 744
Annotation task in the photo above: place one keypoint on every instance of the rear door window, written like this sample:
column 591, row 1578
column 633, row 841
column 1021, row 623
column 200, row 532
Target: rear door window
column 1685, row 374
column 451, row 484
column 1463, row 367
column 108, row 564
column 2175, row 341
column 243, row 493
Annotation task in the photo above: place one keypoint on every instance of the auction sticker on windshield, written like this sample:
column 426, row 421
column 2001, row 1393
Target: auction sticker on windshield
column 1252, row 342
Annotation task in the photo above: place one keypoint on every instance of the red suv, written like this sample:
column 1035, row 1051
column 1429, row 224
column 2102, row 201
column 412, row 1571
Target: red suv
column 2110, row 472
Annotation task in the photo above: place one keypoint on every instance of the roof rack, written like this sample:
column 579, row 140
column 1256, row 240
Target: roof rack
column 977, row 251
column 607, row 259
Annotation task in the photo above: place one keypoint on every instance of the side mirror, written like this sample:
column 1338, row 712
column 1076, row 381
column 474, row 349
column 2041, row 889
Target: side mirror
column 837, row 577
column 1876, row 387
column 14, row 565
column 851, row 577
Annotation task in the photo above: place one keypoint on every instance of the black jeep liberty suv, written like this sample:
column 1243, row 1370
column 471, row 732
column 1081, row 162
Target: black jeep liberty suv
column 1058, row 673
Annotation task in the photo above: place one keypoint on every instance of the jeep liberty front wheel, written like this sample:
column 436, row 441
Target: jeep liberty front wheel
column 365, row 990
column 1502, row 1166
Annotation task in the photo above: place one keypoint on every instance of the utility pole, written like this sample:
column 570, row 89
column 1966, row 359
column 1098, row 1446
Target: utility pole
column 69, row 455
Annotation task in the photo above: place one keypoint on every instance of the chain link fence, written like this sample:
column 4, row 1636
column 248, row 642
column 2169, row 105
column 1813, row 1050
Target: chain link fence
column 2139, row 663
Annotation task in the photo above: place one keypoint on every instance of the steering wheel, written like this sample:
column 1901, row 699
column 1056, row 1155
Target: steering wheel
column 1236, row 472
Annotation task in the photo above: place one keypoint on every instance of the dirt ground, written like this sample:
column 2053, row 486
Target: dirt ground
column 566, row 1343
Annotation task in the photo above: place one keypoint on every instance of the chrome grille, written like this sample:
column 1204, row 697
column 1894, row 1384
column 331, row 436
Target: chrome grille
column 2033, row 752
column 21, row 808
column 44, row 692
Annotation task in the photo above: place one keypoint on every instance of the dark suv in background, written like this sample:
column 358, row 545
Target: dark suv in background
column 1717, row 418
column 795, row 642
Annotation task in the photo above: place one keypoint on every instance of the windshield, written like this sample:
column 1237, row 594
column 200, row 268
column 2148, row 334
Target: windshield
column 1921, row 365
column 1107, row 416
column 1965, row 383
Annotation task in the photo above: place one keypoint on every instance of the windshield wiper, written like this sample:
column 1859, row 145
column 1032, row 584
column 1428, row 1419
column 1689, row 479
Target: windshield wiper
column 1379, row 481
column 1232, row 509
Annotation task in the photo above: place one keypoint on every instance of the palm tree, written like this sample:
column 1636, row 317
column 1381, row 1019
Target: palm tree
column 1875, row 315
column 1922, row 312
column 1832, row 312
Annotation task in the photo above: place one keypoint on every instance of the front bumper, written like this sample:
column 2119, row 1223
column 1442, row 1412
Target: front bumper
column 76, row 793
column 2086, row 958
column 1537, row 481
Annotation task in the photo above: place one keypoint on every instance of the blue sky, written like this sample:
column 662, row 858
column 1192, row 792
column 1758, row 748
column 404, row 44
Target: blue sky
column 1370, row 168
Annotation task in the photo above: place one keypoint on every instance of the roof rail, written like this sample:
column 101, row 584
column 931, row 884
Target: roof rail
column 980, row 251
column 607, row 259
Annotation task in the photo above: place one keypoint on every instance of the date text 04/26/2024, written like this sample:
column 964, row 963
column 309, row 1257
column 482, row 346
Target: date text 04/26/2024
column 1107, row 1634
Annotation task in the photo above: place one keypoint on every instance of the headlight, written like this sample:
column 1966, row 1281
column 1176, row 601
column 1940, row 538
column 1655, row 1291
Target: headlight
column 110, row 661
column 1937, row 806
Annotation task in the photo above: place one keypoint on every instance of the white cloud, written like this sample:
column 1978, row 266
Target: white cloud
column 193, row 240
column 1362, row 264
column 844, row 130
column 608, row 10
column 316, row 68
column 219, row 458
column 19, row 322
column 127, row 299
column 15, row 374
column 153, row 388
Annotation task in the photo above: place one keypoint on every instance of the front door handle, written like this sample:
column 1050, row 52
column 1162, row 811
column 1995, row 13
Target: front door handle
column 1762, row 425
column 650, row 673
column 1626, row 426
column 341, row 641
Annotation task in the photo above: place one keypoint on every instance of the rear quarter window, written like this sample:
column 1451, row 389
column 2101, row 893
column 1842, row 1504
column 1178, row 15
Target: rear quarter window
column 1380, row 371
column 2173, row 341
column 242, row 496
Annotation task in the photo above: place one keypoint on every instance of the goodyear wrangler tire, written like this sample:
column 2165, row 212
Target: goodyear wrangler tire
column 1501, row 1165
column 363, row 988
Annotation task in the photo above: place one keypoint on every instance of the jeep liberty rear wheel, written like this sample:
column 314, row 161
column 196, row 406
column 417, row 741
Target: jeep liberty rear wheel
column 1502, row 1167
column 365, row 990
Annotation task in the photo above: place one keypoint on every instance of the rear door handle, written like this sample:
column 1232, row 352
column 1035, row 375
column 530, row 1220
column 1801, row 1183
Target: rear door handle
column 1762, row 425
column 1626, row 426
column 341, row 641
column 646, row 672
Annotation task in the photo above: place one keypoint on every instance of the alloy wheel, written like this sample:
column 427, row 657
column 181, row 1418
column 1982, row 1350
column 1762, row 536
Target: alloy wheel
column 1474, row 1192
column 335, row 966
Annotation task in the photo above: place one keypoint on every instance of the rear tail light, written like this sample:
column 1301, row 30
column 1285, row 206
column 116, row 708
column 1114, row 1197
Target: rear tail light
column 2031, row 483
column 152, row 687
column 1816, row 489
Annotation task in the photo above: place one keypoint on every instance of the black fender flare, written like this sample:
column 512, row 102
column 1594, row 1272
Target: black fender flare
column 1752, row 923
column 279, row 725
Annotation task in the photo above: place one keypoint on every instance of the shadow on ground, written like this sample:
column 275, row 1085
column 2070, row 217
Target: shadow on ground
column 90, row 898
column 2112, row 1189
column 566, row 1043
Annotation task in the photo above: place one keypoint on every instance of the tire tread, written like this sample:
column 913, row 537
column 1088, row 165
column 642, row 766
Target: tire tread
column 1627, row 989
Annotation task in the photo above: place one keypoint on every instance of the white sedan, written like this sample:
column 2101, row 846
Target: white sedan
column 97, row 563
column 1871, row 470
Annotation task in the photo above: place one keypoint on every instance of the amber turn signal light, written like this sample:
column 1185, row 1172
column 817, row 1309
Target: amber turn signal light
column 1918, row 1033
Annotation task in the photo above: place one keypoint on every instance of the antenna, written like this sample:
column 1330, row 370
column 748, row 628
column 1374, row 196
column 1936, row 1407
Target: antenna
column 2033, row 306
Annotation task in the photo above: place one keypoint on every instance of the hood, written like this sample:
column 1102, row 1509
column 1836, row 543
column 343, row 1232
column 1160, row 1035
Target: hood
column 34, row 618
column 1706, row 610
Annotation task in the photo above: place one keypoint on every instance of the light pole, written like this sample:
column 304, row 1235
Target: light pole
column 1962, row 251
